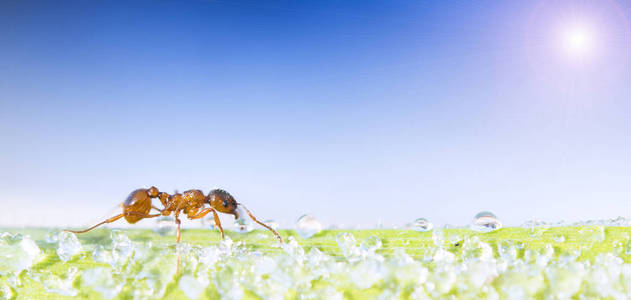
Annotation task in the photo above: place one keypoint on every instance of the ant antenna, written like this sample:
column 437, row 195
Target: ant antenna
column 260, row 223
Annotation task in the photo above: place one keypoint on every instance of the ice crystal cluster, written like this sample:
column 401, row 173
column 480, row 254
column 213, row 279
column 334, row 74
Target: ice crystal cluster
column 462, row 266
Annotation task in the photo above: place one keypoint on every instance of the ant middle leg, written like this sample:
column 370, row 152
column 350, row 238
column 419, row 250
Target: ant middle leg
column 204, row 212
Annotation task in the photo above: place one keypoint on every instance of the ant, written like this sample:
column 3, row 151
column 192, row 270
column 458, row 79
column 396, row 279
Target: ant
column 191, row 202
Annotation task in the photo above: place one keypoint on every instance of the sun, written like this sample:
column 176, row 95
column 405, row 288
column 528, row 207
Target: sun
column 578, row 41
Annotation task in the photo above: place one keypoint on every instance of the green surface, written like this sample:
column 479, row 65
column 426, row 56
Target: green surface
column 586, row 241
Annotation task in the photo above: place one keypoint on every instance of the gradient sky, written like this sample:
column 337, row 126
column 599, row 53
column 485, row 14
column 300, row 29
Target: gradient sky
column 352, row 111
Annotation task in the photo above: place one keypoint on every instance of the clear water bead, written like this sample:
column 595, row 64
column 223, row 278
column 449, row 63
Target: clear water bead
column 242, row 225
column 59, row 285
column 307, row 226
column 486, row 221
column 103, row 281
column 191, row 287
column 421, row 224
column 122, row 248
column 165, row 226
column 68, row 246
column 18, row 252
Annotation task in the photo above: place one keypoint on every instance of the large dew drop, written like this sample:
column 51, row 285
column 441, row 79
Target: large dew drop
column 307, row 226
column 68, row 246
column 421, row 224
column 17, row 253
column 165, row 226
column 242, row 225
column 486, row 221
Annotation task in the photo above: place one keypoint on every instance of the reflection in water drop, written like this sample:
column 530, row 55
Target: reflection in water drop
column 486, row 221
column 307, row 226
column 421, row 224
column 165, row 226
column 559, row 238
column 243, row 226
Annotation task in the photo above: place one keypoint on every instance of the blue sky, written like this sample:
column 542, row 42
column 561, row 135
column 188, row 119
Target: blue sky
column 350, row 111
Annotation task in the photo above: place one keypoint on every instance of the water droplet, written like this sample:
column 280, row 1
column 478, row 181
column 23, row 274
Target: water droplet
column 294, row 250
column 536, row 228
column 421, row 224
column 52, row 237
column 559, row 238
column 348, row 246
column 122, row 248
column 5, row 291
column 307, row 226
column 101, row 255
column 18, row 252
column 103, row 281
column 486, row 221
column 474, row 249
column 627, row 249
column 68, row 246
column 165, row 225
column 191, row 287
column 438, row 237
column 271, row 223
column 594, row 234
column 371, row 244
column 58, row 285
column 507, row 250
column 242, row 225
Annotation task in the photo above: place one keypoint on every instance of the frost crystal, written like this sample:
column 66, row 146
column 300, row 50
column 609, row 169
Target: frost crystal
column 68, row 246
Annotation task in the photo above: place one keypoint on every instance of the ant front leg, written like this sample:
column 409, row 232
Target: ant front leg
column 204, row 212
column 179, row 230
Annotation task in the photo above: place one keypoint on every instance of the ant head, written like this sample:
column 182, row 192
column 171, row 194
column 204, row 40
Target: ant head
column 223, row 202
column 153, row 192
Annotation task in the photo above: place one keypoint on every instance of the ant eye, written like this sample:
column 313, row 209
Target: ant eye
column 225, row 203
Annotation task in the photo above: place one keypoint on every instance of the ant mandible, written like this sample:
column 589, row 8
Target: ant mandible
column 191, row 202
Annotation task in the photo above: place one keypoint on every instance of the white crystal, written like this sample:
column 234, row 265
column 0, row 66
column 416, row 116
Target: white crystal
column 191, row 287
column 103, row 281
column 68, row 246
column 17, row 253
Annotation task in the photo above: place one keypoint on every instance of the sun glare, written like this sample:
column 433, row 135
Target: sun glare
column 577, row 41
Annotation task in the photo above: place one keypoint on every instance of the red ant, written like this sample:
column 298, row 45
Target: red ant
column 191, row 202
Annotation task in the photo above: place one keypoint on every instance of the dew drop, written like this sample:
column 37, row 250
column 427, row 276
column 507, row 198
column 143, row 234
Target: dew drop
column 421, row 224
column 507, row 250
column 122, row 248
column 627, row 248
column 103, row 281
column 18, row 252
column 243, row 226
column 191, row 287
column 51, row 237
column 271, row 223
column 486, row 221
column 559, row 238
column 68, row 246
column 348, row 246
column 165, row 226
column 307, row 226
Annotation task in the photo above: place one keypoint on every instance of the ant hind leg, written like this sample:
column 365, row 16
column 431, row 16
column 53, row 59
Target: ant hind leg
column 110, row 220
